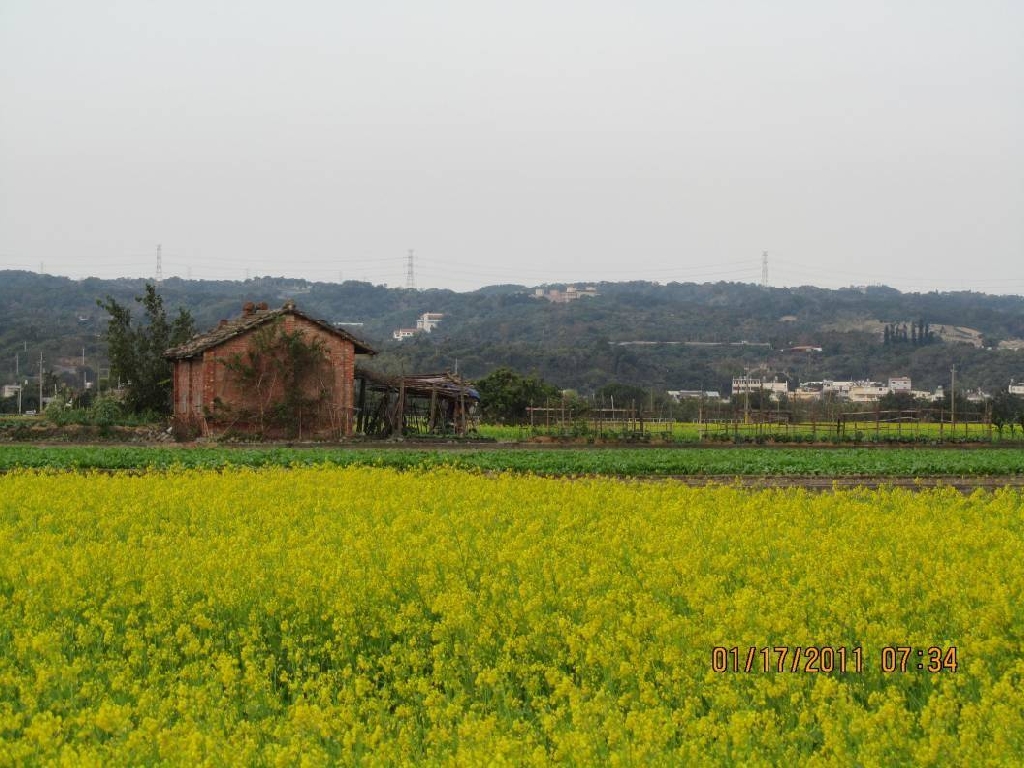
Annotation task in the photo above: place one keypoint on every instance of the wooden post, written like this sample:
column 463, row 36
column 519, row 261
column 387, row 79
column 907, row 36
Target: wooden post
column 361, row 418
column 400, row 411
column 432, row 412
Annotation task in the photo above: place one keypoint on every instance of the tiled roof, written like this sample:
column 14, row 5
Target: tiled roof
column 253, row 318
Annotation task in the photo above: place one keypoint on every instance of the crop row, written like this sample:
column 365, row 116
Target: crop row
column 881, row 432
column 842, row 462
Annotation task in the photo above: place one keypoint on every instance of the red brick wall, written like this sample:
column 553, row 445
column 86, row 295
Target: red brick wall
column 200, row 385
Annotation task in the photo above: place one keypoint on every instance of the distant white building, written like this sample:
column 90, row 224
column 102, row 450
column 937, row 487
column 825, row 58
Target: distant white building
column 428, row 321
column 742, row 385
column 808, row 391
column 900, row 384
column 868, row 392
column 839, row 389
column 1016, row 389
column 694, row 394
column 425, row 323
column 10, row 390
column 977, row 396
column 571, row 293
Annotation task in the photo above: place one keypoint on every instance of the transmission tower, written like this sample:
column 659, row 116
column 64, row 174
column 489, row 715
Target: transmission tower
column 410, row 277
column 764, row 269
column 159, row 265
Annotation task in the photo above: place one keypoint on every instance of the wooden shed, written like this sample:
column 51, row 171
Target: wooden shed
column 268, row 372
column 420, row 404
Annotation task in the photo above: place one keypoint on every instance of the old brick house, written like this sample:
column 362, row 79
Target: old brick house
column 273, row 372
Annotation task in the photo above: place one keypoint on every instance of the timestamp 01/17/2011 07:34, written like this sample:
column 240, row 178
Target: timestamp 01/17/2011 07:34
column 829, row 659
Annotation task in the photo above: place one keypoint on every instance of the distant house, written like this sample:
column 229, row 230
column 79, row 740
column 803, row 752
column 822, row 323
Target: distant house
column 694, row 394
column 743, row 385
column 428, row 321
column 808, row 391
column 900, row 384
column 838, row 389
column 425, row 323
column 868, row 392
column 211, row 395
column 570, row 294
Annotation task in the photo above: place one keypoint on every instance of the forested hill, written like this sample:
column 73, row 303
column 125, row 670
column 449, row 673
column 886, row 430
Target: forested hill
column 675, row 336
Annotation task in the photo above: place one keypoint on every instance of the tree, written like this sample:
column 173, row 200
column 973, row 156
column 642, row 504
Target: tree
column 897, row 401
column 505, row 395
column 1006, row 409
column 136, row 351
column 623, row 395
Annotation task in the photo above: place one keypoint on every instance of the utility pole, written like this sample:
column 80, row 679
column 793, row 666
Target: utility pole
column 952, row 400
column 746, row 396
column 700, row 413
column 764, row 269
column 40, row 408
column 159, row 265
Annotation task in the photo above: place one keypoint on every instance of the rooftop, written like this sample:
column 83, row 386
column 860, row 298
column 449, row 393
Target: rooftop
column 253, row 316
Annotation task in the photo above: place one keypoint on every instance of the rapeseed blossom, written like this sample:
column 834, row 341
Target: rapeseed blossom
column 340, row 615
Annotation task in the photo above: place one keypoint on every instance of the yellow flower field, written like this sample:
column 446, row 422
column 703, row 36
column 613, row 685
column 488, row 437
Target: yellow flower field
column 326, row 615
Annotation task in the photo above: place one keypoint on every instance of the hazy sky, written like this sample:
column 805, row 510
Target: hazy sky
column 878, row 141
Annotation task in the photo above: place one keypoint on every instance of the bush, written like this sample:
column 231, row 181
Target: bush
column 57, row 411
column 106, row 412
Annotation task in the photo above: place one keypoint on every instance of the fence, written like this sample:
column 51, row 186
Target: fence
column 629, row 423
column 635, row 424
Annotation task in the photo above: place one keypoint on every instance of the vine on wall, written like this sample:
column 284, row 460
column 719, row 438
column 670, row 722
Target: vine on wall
column 285, row 381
